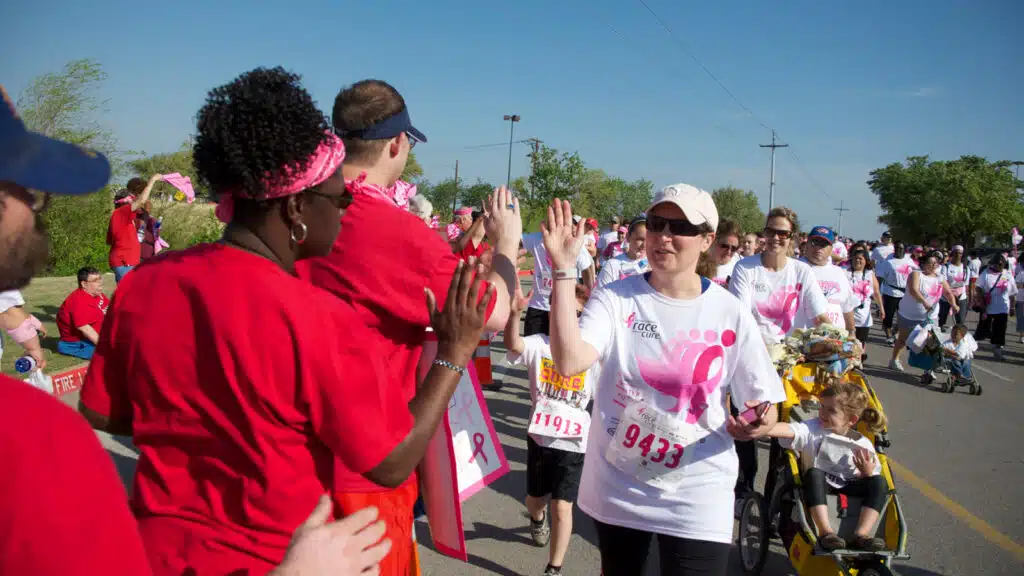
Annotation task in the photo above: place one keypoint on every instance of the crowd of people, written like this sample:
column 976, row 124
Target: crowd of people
column 291, row 385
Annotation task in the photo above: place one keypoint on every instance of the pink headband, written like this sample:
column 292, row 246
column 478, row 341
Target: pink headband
column 398, row 193
column 321, row 165
column 126, row 200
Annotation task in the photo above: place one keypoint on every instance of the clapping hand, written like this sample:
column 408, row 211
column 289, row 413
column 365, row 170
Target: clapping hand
column 562, row 238
column 459, row 325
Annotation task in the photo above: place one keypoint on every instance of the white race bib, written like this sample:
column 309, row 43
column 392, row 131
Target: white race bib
column 554, row 419
column 652, row 446
column 835, row 459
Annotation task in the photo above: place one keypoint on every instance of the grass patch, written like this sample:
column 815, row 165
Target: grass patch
column 43, row 298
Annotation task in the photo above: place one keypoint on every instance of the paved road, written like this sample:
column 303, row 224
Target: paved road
column 958, row 463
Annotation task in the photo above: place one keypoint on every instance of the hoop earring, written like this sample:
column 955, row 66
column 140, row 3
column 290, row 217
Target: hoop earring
column 305, row 233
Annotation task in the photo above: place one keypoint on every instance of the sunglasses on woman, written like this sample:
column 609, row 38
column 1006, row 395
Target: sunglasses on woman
column 731, row 248
column 675, row 227
column 784, row 234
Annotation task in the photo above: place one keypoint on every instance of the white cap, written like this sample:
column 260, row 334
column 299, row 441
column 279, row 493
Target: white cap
column 576, row 218
column 697, row 205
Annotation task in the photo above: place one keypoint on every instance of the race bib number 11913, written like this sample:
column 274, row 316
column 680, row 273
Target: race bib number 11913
column 558, row 420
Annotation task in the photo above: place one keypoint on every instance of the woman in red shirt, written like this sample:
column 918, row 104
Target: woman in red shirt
column 122, row 232
column 246, row 401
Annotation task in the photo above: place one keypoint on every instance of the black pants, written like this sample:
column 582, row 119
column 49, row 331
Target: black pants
column 862, row 332
column 536, row 322
column 993, row 328
column 746, row 452
column 624, row 552
column 890, row 304
column 872, row 489
column 958, row 318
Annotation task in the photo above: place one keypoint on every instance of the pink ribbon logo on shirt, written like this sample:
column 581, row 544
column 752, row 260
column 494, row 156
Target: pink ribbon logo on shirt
column 862, row 288
column 934, row 294
column 685, row 371
column 781, row 307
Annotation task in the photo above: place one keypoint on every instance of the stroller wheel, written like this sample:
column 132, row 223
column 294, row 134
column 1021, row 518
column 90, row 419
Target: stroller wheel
column 753, row 534
column 948, row 385
column 976, row 389
column 875, row 570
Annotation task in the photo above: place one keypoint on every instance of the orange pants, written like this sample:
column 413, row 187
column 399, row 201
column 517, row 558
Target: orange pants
column 396, row 510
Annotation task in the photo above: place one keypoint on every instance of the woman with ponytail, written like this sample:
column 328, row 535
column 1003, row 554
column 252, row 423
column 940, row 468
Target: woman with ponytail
column 844, row 459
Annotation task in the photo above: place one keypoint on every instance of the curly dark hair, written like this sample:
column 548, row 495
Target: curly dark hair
column 250, row 129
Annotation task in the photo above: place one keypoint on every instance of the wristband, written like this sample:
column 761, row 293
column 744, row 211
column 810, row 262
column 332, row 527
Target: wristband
column 449, row 365
column 566, row 274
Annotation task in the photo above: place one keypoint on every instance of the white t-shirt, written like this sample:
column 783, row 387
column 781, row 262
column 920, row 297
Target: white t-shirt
column 975, row 265
column 812, row 434
column 567, row 397
column 724, row 272
column 780, row 301
column 9, row 299
column 622, row 267
column 957, row 276
column 893, row 274
column 881, row 253
column 998, row 298
column 542, row 278
column 835, row 286
column 676, row 360
column 863, row 287
column 606, row 239
column 930, row 288
column 839, row 251
column 965, row 349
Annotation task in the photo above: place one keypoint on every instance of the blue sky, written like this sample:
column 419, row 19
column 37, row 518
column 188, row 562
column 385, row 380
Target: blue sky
column 850, row 85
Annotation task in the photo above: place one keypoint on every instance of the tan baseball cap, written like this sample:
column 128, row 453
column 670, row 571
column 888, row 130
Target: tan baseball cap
column 696, row 204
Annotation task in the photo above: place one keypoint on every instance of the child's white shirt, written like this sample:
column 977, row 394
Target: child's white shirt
column 965, row 349
column 553, row 394
column 836, row 458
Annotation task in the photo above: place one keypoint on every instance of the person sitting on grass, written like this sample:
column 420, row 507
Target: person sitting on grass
column 960, row 348
column 843, row 458
column 557, row 432
column 81, row 315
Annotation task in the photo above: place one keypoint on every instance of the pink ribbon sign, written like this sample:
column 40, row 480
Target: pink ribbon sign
column 183, row 183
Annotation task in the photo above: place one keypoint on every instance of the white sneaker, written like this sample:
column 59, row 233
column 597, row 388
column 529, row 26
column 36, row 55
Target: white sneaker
column 896, row 365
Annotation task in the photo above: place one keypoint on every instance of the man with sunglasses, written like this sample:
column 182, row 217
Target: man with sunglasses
column 832, row 279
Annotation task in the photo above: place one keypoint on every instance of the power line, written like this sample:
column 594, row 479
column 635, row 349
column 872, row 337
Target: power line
column 682, row 45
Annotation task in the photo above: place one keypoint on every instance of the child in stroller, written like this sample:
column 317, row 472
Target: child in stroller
column 843, row 459
column 958, row 352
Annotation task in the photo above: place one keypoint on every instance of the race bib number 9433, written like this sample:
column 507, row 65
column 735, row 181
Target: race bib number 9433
column 652, row 446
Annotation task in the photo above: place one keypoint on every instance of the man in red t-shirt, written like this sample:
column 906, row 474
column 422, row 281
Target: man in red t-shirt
column 81, row 315
column 384, row 257
column 122, row 232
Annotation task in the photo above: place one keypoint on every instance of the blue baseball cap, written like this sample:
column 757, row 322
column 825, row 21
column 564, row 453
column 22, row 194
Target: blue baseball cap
column 386, row 129
column 823, row 232
column 32, row 160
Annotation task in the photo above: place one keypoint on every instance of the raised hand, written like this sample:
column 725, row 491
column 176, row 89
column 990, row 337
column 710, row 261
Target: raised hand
column 864, row 460
column 459, row 325
column 519, row 301
column 562, row 238
column 351, row 546
column 503, row 222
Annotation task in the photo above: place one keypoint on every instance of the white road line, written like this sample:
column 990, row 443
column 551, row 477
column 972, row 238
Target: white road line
column 991, row 373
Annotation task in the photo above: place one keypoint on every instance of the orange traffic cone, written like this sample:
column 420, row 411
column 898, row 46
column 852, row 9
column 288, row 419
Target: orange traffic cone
column 482, row 361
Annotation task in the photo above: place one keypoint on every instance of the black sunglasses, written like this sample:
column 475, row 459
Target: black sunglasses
column 819, row 242
column 729, row 247
column 412, row 140
column 784, row 234
column 340, row 202
column 675, row 227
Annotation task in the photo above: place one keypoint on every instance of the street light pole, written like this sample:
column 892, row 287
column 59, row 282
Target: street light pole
column 511, row 119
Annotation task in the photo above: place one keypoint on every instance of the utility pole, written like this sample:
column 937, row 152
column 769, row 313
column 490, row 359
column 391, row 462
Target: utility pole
column 841, row 210
column 511, row 119
column 771, row 186
column 456, row 195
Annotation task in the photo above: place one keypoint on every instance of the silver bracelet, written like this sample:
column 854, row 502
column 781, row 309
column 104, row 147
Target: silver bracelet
column 449, row 365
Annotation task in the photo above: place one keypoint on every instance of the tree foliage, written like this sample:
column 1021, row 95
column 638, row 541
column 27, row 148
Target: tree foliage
column 953, row 200
column 740, row 206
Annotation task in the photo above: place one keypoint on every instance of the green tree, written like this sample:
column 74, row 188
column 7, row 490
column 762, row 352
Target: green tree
column 64, row 105
column 441, row 195
column 476, row 194
column 954, row 200
column 180, row 162
column 740, row 206
column 553, row 175
column 412, row 171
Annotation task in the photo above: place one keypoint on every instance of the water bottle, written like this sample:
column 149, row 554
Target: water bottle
column 25, row 364
column 159, row 222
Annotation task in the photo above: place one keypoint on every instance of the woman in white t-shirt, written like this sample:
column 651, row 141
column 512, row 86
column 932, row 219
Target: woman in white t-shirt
column 724, row 251
column 660, row 459
column 920, row 305
column 996, row 291
column 865, row 287
column 1019, row 280
column 957, row 274
column 631, row 262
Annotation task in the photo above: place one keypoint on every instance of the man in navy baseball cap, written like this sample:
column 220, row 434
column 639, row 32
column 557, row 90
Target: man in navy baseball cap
column 33, row 166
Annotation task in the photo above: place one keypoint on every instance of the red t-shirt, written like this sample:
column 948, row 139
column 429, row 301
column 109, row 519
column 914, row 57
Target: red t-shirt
column 241, row 391
column 382, row 260
column 123, row 237
column 469, row 250
column 63, row 510
column 80, row 309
